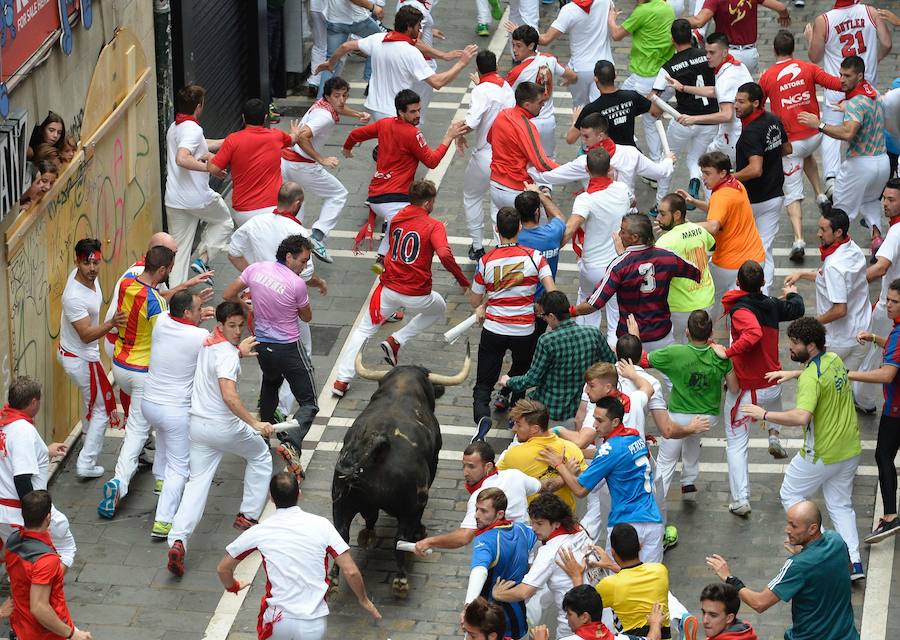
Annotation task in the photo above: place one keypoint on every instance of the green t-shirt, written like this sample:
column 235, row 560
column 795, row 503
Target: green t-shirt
column 693, row 243
column 817, row 582
column 696, row 374
column 824, row 390
column 650, row 27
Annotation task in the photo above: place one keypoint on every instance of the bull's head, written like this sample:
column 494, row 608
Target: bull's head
column 360, row 455
column 434, row 378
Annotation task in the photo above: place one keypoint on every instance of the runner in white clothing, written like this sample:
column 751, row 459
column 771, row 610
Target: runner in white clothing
column 304, row 163
column 296, row 547
column 174, row 346
column 79, row 352
column 189, row 199
column 490, row 95
column 25, row 465
column 220, row 424
column 480, row 472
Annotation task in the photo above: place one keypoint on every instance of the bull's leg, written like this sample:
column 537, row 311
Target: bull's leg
column 342, row 513
column 412, row 530
column 367, row 538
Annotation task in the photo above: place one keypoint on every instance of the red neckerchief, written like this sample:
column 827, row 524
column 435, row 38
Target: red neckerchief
column 827, row 251
column 843, row 4
column 396, row 36
column 606, row 143
column 753, row 116
column 622, row 430
column 185, row 117
column 472, row 488
column 623, row 398
column 562, row 531
column 583, row 4
column 862, row 88
column 729, row 58
column 598, row 183
column 517, row 70
column 594, row 630
column 729, row 181
column 190, row 323
column 8, row 415
column 493, row 77
column 894, row 219
column 322, row 103
column 215, row 338
column 288, row 215
column 499, row 523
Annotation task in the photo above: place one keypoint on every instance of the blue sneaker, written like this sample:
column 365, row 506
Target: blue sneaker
column 857, row 573
column 319, row 250
column 484, row 425
column 107, row 507
column 694, row 191
column 199, row 267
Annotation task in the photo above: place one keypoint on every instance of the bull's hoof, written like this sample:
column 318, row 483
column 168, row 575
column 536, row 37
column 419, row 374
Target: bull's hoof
column 400, row 587
column 367, row 539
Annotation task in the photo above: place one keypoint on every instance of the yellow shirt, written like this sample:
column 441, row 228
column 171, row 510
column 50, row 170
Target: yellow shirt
column 524, row 458
column 632, row 592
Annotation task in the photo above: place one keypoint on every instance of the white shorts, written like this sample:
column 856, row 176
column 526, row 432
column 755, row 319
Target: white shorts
column 793, row 167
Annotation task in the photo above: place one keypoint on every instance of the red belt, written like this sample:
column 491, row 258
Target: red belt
column 734, row 410
column 99, row 382
column 292, row 156
column 8, row 502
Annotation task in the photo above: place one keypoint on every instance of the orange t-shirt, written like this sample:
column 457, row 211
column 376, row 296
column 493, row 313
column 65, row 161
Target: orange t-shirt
column 738, row 239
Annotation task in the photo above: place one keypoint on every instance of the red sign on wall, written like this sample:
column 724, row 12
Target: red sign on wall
column 26, row 25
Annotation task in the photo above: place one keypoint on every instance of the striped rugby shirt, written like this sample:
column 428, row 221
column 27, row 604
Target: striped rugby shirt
column 510, row 275
column 640, row 279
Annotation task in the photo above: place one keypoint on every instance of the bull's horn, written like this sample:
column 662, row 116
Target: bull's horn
column 459, row 378
column 363, row 372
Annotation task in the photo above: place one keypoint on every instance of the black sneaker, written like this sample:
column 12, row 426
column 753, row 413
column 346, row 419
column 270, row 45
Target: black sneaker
column 481, row 431
column 884, row 530
column 688, row 488
column 475, row 254
column 798, row 251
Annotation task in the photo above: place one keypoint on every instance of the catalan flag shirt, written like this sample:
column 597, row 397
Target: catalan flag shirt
column 142, row 305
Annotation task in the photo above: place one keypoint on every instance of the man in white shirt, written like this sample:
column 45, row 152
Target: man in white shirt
column 730, row 74
column 189, row 199
column 480, row 472
column 79, row 352
column 491, row 95
column 398, row 63
column 220, row 424
column 842, row 298
column 174, row 346
column 598, row 212
column 343, row 19
column 304, row 163
column 25, row 465
column 296, row 547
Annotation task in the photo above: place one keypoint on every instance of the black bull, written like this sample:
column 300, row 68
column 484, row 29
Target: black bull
column 389, row 458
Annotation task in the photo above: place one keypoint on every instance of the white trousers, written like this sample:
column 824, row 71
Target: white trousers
column 137, row 429
column 386, row 211
column 719, row 143
column 747, row 57
column 689, row 143
column 831, row 147
column 320, row 44
column 213, row 239
column 581, row 88
column 60, row 533
column 651, row 536
column 643, row 85
column 286, row 628
column 767, row 214
column 484, row 12
column 724, row 280
column 685, row 449
column 524, row 12
column 865, row 394
column 171, row 461
column 210, row 439
column 589, row 276
column 680, row 321
column 737, row 435
column 792, row 166
column 428, row 309
column 598, row 504
column 94, row 431
column 880, row 325
column 241, row 217
column 476, row 183
column 857, row 189
column 315, row 179
column 547, row 130
column 803, row 478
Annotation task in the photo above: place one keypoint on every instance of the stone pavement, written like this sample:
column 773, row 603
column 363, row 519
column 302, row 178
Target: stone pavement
column 119, row 587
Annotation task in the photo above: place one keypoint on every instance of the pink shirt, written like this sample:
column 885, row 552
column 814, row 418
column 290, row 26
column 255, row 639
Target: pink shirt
column 278, row 293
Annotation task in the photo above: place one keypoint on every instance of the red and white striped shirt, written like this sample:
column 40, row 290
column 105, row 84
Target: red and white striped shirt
column 510, row 275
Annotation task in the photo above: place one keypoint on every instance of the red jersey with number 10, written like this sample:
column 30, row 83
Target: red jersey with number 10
column 790, row 86
column 415, row 238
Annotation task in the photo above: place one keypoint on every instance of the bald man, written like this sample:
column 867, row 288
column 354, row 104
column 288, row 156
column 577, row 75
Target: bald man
column 815, row 579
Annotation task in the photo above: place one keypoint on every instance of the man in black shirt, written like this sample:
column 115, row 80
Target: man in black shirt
column 688, row 66
column 759, row 149
column 619, row 106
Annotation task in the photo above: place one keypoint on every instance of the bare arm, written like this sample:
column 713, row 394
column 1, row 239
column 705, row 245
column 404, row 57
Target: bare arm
column 836, row 312
column 39, row 601
column 239, row 262
column 233, row 290
column 753, row 169
column 355, row 580
column 700, row 19
column 441, row 80
column 452, row 540
column 546, row 38
column 877, row 270
column 88, row 332
column 615, row 31
column 884, row 374
column 759, row 601
column 305, row 313
column 784, row 18
column 229, row 391
column 215, row 170
column 816, row 49
column 884, row 37
column 225, row 571
column 185, row 160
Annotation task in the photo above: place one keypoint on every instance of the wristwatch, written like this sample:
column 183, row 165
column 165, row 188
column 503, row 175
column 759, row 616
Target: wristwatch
column 821, row 127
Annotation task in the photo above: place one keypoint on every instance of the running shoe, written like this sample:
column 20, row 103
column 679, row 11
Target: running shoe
column 857, row 572
column 397, row 316
column 242, row 522
column 740, row 509
column 475, row 254
column 775, row 449
column 670, row 537
column 694, row 191
column 199, row 267
column 884, row 530
column 378, row 265
column 91, row 472
column 175, row 564
column 688, row 488
column 482, row 428
column 340, row 388
column 798, row 251
column 496, row 9
column 157, row 486
column 391, row 350
column 292, row 459
column 690, row 627
column 653, row 213
column 278, row 416
column 107, row 507
column 482, row 29
column 160, row 529
column 274, row 116
column 320, row 251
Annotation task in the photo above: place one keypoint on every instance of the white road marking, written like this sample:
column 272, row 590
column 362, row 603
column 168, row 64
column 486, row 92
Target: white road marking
column 877, row 598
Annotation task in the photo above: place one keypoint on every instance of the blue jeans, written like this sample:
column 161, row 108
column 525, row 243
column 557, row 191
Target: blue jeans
column 337, row 34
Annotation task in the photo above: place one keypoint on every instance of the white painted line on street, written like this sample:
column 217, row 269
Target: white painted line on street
column 877, row 598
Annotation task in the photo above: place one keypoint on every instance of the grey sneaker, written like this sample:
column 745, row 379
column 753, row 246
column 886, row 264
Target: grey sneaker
column 798, row 251
column 320, row 251
column 776, row 450
column 739, row 509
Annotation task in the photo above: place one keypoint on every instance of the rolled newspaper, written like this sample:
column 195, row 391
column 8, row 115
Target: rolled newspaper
column 665, row 106
column 453, row 334
column 661, row 130
column 403, row 545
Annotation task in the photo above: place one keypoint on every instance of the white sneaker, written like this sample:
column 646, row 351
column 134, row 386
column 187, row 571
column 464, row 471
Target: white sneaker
column 829, row 188
column 91, row 472
column 740, row 509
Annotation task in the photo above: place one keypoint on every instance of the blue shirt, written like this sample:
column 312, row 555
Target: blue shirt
column 545, row 238
column 624, row 463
